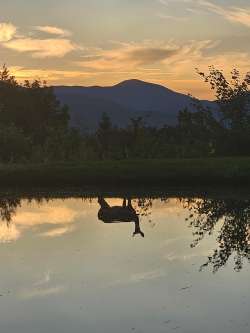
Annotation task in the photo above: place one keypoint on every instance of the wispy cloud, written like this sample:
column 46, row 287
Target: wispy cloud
column 164, row 2
column 234, row 14
column 131, row 55
column 56, row 47
column 7, row 31
column 172, row 17
column 53, row 30
column 42, row 48
column 50, row 75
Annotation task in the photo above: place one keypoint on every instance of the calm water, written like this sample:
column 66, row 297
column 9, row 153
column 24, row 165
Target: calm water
column 64, row 270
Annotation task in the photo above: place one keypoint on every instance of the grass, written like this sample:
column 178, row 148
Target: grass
column 165, row 172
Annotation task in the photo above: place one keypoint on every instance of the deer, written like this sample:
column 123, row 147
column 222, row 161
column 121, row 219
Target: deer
column 119, row 214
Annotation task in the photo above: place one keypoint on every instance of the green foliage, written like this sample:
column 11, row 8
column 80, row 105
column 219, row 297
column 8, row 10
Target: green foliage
column 224, row 131
column 104, row 136
column 32, row 107
column 33, row 124
column 62, row 145
column 14, row 145
column 232, row 97
column 233, row 100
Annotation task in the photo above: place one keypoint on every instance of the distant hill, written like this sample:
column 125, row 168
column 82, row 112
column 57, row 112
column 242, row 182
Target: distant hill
column 158, row 105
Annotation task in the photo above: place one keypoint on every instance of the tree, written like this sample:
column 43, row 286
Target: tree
column 198, row 131
column 104, row 136
column 233, row 101
column 232, row 96
column 32, row 107
column 14, row 145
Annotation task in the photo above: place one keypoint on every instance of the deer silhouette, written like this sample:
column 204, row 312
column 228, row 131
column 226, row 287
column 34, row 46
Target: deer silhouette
column 118, row 214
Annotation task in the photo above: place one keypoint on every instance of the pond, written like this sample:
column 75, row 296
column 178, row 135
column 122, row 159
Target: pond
column 120, row 264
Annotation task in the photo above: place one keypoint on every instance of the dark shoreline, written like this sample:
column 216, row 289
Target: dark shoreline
column 138, row 176
column 221, row 193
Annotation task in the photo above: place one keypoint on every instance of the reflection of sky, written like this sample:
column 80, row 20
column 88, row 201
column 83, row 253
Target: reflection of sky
column 96, row 277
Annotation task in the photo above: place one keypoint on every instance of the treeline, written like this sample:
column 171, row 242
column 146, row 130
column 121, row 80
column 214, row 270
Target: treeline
column 33, row 124
column 35, row 128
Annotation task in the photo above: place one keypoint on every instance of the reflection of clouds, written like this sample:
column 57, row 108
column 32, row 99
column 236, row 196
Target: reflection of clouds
column 44, row 280
column 172, row 206
column 41, row 292
column 45, row 215
column 171, row 241
column 115, row 201
column 57, row 232
column 41, row 288
column 8, row 233
column 140, row 277
column 185, row 257
column 57, row 216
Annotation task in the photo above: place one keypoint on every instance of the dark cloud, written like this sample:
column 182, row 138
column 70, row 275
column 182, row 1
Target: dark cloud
column 148, row 56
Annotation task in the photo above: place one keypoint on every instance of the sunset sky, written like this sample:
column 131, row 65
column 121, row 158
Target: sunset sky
column 102, row 42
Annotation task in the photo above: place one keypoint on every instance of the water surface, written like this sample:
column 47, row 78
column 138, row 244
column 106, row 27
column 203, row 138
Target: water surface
column 64, row 270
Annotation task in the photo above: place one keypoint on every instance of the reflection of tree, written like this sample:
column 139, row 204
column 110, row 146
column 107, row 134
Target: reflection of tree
column 234, row 235
column 8, row 207
column 143, row 206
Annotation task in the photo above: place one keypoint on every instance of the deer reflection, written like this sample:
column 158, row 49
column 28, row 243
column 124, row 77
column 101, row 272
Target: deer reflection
column 234, row 233
column 118, row 214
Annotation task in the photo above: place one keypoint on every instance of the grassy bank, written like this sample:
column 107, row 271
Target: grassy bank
column 168, row 172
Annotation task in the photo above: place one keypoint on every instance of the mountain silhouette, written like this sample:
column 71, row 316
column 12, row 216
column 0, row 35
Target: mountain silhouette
column 158, row 105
